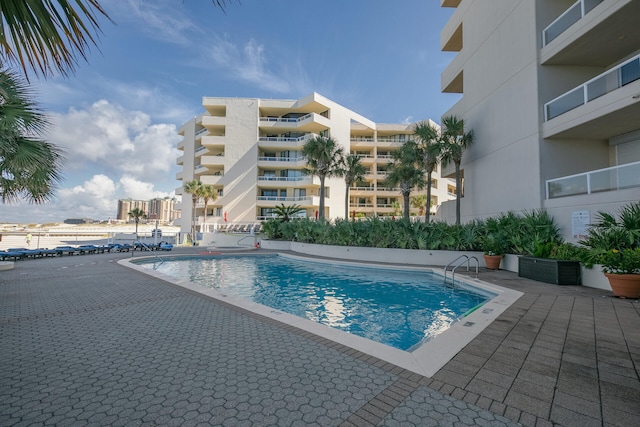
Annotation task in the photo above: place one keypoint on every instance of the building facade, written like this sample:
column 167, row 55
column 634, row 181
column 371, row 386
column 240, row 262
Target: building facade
column 250, row 150
column 551, row 90
column 163, row 210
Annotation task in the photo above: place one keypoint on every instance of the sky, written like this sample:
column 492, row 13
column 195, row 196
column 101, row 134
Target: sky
column 117, row 116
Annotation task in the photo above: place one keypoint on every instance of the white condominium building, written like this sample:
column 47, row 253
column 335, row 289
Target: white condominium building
column 551, row 90
column 250, row 150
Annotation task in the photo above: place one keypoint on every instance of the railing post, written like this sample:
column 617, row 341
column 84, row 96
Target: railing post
column 582, row 9
column 588, row 183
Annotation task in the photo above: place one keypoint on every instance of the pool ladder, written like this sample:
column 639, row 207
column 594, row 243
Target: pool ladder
column 462, row 259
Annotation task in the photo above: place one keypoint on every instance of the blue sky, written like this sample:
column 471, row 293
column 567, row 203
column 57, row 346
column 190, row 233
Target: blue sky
column 117, row 116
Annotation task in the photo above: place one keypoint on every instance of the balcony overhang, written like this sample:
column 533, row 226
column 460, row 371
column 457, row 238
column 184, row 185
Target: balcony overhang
column 452, row 42
column 450, row 3
column 603, row 36
column 453, row 85
column 610, row 115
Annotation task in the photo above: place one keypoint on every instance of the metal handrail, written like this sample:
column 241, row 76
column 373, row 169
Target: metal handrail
column 148, row 248
column 464, row 258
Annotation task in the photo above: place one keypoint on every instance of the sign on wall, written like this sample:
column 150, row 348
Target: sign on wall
column 580, row 221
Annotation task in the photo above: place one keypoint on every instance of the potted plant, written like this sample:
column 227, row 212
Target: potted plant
column 614, row 243
column 555, row 263
column 622, row 268
column 494, row 249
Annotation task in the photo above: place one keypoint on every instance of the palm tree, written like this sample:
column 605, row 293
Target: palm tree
column 323, row 160
column 48, row 35
column 405, row 172
column 454, row 140
column 137, row 214
column 193, row 187
column 427, row 138
column 207, row 193
column 419, row 203
column 29, row 166
column 352, row 171
column 284, row 213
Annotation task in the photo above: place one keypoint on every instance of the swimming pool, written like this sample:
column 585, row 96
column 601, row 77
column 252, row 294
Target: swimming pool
column 398, row 308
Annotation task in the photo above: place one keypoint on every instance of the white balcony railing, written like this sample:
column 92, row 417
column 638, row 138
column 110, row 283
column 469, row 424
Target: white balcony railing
column 284, row 199
column 286, row 119
column 283, row 178
column 361, row 188
column 285, row 139
column 576, row 12
column 623, row 74
column 608, row 179
column 281, row 159
column 201, row 131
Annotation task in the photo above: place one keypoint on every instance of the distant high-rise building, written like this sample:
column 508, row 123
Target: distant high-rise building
column 162, row 210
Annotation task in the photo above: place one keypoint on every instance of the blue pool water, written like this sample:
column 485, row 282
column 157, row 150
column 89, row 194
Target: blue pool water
column 397, row 308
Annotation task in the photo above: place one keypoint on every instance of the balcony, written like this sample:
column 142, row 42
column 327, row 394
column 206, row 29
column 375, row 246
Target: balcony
column 200, row 169
column 362, row 142
column 213, row 122
column 283, row 142
column 273, row 201
column 212, row 179
column 283, row 162
column 286, row 181
column 592, row 33
column 606, row 105
column 212, row 160
column 200, row 151
column 212, row 141
column 572, row 15
column 180, row 160
column 608, row 179
column 311, row 122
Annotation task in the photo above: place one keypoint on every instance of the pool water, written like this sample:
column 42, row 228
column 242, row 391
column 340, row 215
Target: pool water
column 393, row 307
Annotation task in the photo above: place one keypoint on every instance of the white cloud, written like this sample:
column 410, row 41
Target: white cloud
column 96, row 196
column 116, row 140
column 139, row 190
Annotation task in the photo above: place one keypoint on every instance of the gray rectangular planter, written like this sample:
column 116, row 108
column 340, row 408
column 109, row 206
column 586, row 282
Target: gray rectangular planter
column 549, row 270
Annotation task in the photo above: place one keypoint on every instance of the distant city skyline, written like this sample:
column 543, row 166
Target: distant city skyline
column 117, row 117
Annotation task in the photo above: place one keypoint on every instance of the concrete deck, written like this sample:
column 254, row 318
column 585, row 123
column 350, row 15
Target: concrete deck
column 84, row 340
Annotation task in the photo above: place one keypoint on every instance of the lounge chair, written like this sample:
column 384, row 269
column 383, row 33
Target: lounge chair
column 11, row 254
column 69, row 250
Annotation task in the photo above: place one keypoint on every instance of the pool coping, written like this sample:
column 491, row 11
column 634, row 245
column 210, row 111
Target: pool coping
column 427, row 359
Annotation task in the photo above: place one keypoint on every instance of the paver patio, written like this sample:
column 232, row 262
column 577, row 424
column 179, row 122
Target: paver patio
column 84, row 340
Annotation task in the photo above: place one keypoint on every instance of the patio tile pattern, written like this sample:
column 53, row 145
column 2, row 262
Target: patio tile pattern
column 84, row 340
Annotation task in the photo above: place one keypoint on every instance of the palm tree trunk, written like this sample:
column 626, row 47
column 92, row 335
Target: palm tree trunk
column 346, row 204
column 204, row 221
column 427, row 214
column 321, row 213
column 405, row 197
column 458, row 190
column 193, row 223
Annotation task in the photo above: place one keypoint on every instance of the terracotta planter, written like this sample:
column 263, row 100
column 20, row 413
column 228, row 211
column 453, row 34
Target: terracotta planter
column 624, row 285
column 493, row 261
